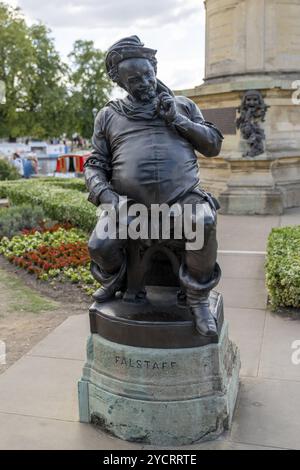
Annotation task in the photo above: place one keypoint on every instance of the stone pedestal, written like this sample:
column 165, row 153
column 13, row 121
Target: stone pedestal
column 270, row 182
column 261, row 186
column 160, row 395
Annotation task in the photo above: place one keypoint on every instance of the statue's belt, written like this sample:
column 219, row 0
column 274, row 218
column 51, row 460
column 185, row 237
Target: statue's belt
column 213, row 202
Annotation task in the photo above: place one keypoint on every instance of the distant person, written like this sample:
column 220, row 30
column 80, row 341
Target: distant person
column 35, row 163
column 17, row 162
column 29, row 166
column 80, row 142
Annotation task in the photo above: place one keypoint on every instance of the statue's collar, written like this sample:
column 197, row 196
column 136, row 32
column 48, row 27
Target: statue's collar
column 132, row 109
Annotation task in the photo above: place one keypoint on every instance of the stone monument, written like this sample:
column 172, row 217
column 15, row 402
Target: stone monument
column 252, row 50
column 160, row 367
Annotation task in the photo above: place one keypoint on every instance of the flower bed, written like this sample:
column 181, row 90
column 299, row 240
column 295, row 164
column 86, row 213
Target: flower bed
column 52, row 252
column 47, row 257
column 283, row 267
column 57, row 255
column 43, row 228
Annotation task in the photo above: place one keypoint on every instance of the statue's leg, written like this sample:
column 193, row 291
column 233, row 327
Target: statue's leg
column 199, row 272
column 108, row 261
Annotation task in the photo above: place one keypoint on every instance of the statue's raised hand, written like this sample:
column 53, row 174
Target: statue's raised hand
column 166, row 107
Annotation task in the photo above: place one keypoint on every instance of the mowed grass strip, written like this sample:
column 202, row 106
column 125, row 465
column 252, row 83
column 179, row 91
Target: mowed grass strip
column 20, row 298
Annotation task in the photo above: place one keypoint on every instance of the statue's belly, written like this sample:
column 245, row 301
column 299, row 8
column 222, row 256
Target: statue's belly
column 157, row 177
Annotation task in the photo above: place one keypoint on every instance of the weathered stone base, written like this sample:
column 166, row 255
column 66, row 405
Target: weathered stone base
column 160, row 396
column 270, row 182
column 251, row 202
column 253, row 186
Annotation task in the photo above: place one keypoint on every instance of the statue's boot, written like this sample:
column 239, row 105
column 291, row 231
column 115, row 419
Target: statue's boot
column 198, row 300
column 110, row 283
column 103, row 294
column 204, row 320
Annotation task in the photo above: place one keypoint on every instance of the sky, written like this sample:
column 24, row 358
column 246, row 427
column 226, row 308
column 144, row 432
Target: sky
column 174, row 27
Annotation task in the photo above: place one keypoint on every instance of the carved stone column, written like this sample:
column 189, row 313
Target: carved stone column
column 252, row 46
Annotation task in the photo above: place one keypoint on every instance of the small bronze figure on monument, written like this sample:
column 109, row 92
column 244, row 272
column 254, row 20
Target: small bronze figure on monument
column 252, row 111
column 144, row 150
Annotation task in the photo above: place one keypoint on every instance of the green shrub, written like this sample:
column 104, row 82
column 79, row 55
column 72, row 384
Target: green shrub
column 77, row 184
column 16, row 218
column 7, row 171
column 3, row 188
column 283, row 267
column 63, row 205
column 6, row 185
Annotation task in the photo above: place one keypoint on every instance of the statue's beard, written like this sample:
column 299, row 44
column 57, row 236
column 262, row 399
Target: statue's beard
column 146, row 96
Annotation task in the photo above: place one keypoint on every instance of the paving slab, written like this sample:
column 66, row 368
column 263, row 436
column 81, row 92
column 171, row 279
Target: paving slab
column 243, row 293
column 19, row 432
column 246, row 328
column 268, row 414
column 290, row 217
column 42, row 387
column 38, row 394
column 229, row 445
column 29, row 433
column 239, row 266
column 221, row 445
column 67, row 341
column 280, row 333
column 248, row 233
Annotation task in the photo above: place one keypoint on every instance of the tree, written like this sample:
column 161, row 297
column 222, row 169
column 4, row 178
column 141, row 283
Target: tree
column 48, row 91
column 35, row 79
column 16, row 58
column 44, row 96
column 90, row 85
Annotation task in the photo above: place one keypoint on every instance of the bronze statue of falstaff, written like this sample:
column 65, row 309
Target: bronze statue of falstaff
column 144, row 148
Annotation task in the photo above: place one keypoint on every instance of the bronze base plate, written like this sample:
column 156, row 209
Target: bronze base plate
column 158, row 322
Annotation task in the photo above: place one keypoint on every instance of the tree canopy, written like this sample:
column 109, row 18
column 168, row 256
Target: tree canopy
column 46, row 97
column 90, row 85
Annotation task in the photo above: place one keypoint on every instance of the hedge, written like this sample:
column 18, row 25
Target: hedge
column 68, row 183
column 58, row 203
column 77, row 184
column 283, row 267
column 7, row 171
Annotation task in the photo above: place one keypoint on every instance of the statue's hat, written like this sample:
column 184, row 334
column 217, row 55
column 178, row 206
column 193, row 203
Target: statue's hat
column 126, row 48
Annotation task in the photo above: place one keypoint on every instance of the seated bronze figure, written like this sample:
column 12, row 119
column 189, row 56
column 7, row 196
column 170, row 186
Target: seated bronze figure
column 144, row 149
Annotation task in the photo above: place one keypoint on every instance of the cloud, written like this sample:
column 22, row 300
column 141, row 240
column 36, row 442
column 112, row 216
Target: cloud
column 180, row 47
column 108, row 13
column 174, row 27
